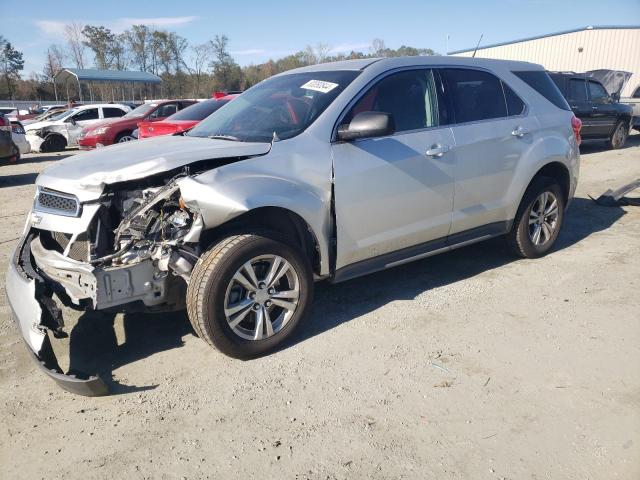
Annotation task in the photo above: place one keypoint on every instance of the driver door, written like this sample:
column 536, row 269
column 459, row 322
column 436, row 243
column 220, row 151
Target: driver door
column 395, row 192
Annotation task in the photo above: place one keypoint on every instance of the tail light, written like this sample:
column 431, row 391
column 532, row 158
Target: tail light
column 576, row 125
column 5, row 124
column 217, row 95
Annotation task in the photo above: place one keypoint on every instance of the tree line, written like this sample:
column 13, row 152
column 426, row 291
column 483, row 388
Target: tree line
column 187, row 70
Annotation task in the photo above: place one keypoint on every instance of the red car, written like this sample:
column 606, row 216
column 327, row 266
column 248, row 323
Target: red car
column 120, row 129
column 183, row 120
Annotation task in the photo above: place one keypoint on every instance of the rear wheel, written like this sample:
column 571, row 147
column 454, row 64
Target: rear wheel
column 539, row 219
column 619, row 135
column 15, row 155
column 248, row 293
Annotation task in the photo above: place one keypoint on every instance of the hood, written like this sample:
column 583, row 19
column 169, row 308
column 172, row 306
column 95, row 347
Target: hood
column 86, row 174
column 39, row 125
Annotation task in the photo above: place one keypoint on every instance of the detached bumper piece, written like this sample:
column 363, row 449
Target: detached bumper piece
column 617, row 198
column 35, row 312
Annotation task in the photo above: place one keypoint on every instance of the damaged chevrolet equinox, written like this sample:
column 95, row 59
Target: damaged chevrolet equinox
column 325, row 172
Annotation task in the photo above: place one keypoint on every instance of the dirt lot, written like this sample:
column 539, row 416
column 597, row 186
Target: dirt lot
column 469, row 365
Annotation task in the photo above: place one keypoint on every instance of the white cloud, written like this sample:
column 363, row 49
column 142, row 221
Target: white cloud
column 53, row 28
column 349, row 47
column 50, row 27
column 250, row 51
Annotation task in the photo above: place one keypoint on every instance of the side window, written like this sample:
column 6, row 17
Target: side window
column 165, row 110
column 410, row 96
column 88, row 114
column 636, row 94
column 515, row 105
column 112, row 112
column 476, row 95
column 597, row 92
column 578, row 90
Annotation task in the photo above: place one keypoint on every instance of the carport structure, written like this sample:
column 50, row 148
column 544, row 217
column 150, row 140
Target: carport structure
column 113, row 80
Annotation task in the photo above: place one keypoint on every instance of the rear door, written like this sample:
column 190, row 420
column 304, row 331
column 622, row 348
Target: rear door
column 492, row 130
column 604, row 112
column 578, row 99
column 396, row 191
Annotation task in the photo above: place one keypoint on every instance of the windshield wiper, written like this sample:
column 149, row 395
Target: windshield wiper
column 231, row 138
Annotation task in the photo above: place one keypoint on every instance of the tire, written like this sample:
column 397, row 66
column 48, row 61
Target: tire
column 216, row 300
column 522, row 237
column 53, row 143
column 619, row 135
column 124, row 137
column 15, row 158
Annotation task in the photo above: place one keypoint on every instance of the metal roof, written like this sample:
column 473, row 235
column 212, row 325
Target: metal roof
column 537, row 37
column 94, row 75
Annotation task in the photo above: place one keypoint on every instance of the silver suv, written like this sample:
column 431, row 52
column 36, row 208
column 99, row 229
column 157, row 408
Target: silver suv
column 326, row 172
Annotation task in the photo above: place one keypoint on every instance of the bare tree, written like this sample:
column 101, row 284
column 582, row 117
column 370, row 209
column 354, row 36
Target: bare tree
column 138, row 40
column 54, row 61
column 200, row 58
column 377, row 47
column 77, row 51
column 317, row 54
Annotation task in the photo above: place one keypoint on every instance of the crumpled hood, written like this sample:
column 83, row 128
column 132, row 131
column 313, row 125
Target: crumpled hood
column 86, row 174
column 39, row 125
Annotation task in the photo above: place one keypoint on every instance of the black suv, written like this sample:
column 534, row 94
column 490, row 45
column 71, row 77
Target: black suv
column 603, row 117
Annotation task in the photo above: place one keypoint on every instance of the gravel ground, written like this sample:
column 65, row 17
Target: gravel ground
column 469, row 365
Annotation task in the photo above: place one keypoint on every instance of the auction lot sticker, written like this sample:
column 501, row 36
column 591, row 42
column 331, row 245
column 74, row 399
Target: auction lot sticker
column 319, row 86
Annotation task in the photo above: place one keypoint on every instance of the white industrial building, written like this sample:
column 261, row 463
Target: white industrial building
column 579, row 50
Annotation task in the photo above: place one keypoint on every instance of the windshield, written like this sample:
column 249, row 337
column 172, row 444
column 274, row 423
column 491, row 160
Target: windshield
column 198, row 111
column 280, row 107
column 141, row 111
column 63, row 115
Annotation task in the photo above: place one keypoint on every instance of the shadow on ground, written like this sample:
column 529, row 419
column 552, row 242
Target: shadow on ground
column 596, row 146
column 18, row 180
column 94, row 347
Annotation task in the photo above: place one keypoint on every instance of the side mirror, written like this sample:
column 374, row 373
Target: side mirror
column 367, row 125
column 72, row 121
column 615, row 97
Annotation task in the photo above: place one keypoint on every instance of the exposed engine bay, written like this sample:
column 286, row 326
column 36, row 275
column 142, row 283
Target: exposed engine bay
column 140, row 247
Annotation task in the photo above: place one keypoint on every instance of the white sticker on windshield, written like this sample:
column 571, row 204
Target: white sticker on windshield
column 319, row 86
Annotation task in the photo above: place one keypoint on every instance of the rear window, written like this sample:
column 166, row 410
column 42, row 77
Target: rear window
column 578, row 90
column 476, row 95
column 515, row 105
column 112, row 112
column 199, row 111
column 539, row 80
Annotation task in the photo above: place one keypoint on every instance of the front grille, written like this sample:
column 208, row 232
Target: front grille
column 57, row 203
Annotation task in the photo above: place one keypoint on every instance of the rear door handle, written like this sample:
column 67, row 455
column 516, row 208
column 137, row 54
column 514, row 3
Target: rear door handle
column 519, row 132
column 437, row 150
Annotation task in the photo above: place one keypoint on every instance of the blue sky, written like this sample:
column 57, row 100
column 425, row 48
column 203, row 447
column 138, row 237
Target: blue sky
column 264, row 29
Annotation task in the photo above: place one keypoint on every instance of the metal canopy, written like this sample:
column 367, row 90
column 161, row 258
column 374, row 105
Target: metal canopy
column 94, row 75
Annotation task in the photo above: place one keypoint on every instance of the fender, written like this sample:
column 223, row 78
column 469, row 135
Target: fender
column 219, row 196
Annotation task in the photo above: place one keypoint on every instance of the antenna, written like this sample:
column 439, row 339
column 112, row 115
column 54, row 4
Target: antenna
column 479, row 40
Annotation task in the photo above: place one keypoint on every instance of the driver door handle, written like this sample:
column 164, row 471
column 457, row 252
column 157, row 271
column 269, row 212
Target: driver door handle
column 519, row 132
column 437, row 150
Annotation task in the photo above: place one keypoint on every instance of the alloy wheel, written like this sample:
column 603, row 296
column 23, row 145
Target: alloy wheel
column 126, row 138
column 261, row 297
column 543, row 218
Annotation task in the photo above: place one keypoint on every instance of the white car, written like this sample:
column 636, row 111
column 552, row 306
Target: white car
column 61, row 131
column 19, row 138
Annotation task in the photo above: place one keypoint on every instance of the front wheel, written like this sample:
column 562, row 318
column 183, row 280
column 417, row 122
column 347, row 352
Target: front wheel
column 125, row 137
column 248, row 293
column 540, row 215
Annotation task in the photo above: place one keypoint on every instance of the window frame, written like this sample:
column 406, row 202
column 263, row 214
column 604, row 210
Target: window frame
column 80, row 112
column 102, row 110
column 365, row 90
column 502, row 82
column 586, row 89
column 605, row 98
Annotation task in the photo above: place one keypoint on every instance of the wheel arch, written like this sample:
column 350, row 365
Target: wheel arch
column 558, row 171
column 283, row 221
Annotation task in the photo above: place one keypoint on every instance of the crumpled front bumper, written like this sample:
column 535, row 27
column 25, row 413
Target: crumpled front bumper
column 25, row 297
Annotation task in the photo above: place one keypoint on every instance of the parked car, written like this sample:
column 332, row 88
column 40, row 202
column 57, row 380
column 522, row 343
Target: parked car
column 8, row 150
column 63, row 130
column 184, row 119
column 330, row 171
column 603, row 116
column 19, row 138
column 634, row 102
column 108, row 133
column 45, row 116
